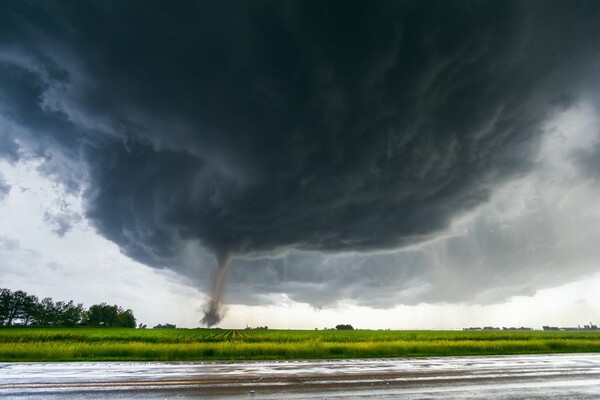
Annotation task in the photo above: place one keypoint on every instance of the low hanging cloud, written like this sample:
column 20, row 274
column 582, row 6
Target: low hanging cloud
column 299, row 139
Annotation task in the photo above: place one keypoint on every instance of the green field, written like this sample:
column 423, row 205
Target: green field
column 112, row 344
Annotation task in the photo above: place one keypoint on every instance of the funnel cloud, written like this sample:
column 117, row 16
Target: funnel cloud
column 275, row 133
column 213, row 311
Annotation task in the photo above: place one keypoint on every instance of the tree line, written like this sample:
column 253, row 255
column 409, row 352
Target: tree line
column 20, row 308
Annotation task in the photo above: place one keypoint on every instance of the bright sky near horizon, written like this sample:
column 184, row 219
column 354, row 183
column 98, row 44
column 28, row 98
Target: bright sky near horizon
column 386, row 165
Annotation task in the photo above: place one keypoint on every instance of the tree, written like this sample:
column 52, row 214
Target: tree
column 68, row 314
column 126, row 319
column 61, row 313
column 343, row 327
column 46, row 313
column 20, row 305
column 28, row 308
column 106, row 315
column 5, row 296
column 101, row 315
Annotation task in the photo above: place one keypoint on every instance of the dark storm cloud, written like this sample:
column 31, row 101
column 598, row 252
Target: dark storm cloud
column 30, row 128
column 501, row 250
column 255, row 127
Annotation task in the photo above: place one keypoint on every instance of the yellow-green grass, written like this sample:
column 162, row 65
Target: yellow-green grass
column 112, row 344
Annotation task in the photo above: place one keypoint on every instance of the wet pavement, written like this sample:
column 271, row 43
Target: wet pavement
column 572, row 376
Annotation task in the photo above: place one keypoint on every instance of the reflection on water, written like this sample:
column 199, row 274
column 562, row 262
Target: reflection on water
column 575, row 376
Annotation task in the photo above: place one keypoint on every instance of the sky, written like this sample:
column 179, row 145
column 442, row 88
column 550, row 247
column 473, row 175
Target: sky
column 301, row 164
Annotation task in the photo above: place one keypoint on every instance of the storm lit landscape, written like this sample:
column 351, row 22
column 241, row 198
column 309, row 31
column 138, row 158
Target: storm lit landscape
column 238, row 184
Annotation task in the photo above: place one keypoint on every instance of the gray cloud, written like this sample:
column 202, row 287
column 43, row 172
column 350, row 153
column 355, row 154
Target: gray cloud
column 310, row 128
column 588, row 160
column 533, row 234
column 61, row 222
column 4, row 187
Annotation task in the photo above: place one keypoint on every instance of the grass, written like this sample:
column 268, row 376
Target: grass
column 120, row 344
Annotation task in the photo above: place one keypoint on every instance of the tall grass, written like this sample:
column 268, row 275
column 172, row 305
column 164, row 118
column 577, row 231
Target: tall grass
column 112, row 344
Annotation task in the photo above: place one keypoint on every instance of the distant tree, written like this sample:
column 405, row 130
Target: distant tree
column 126, row 319
column 164, row 326
column 101, row 315
column 20, row 306
column 46, row 313
column 107, row 315
column 14, row 306
column 60, row 313
column 5, row 296
column 69, row 314
column 28, row 308
column 342, row 327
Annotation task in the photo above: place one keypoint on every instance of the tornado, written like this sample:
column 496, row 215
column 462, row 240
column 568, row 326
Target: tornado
column 213, row 310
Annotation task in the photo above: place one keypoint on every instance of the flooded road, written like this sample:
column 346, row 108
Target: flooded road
column 573, row 376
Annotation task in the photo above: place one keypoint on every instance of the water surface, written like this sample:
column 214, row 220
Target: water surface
column 573, row 376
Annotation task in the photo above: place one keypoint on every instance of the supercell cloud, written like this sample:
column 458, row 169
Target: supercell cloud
column 301, row 139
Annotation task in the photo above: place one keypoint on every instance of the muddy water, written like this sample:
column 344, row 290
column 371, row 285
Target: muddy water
column 503, row 377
